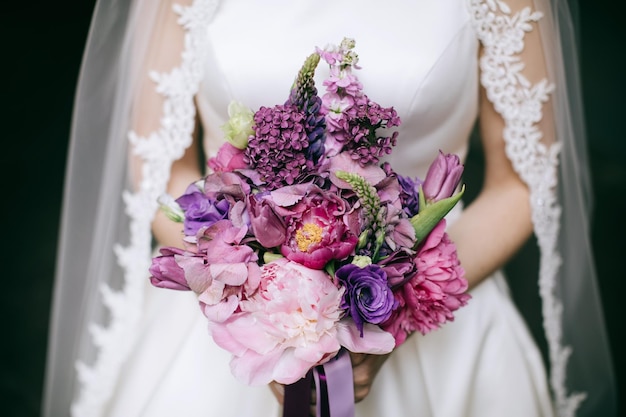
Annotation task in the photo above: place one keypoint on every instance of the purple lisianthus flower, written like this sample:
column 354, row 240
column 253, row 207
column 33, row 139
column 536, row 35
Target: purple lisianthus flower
column 443, row 177
column 368, row 297
column 201, row 210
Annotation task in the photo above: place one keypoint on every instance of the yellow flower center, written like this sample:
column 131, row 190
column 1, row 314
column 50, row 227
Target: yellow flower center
column 308, row 235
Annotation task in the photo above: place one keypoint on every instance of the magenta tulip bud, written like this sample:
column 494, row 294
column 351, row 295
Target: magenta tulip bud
column 443, row 177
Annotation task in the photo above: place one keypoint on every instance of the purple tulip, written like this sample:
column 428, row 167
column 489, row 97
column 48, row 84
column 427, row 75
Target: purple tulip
column 165, row 272
column 268, row 227
column 400, row 267
column 443, row 177
column 368, row 296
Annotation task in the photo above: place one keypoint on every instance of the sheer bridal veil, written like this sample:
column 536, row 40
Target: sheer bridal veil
column 105, row 243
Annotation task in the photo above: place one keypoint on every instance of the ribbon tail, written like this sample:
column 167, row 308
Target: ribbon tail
column 298, row 397
column 335, row 387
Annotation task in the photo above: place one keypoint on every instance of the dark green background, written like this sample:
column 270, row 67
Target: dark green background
column 41, row 50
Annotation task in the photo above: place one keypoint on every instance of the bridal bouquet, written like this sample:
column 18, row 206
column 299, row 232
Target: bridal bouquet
column 301, row 241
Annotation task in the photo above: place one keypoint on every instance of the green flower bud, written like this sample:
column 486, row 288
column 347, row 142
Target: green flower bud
column 239, row 125
column 271, row 256
column 170, row 208
column 362, row 261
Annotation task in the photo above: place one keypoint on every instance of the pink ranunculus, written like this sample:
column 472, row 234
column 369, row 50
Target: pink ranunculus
column 430, row 298
column 228, row 158
column 317, row 233
column 293, row 322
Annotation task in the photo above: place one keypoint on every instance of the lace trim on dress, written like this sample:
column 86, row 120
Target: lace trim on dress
column 158, row 151
column 520, row 104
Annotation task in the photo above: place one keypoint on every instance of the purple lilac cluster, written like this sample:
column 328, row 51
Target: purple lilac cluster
column 277, row 151
column 354, row 121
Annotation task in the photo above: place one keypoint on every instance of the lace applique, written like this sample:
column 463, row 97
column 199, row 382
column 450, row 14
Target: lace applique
column 158, row 151
column 520, row 104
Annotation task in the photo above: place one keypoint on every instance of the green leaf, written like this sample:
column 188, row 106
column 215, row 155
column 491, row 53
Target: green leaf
column 431, row 214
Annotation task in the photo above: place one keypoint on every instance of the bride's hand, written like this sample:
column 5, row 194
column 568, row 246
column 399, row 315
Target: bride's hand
column 365, row 367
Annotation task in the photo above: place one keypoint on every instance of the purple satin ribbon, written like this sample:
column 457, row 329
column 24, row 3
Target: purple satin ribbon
column 334, row 388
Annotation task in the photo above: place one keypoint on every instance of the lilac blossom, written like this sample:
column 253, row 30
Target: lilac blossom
column 278, row 148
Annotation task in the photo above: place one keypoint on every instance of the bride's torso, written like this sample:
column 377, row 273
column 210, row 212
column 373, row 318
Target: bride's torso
column 418, row 56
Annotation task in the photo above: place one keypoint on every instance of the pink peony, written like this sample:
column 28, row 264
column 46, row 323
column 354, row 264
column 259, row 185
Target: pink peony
column 438, row 289
column 317, row 232
column 290, row 325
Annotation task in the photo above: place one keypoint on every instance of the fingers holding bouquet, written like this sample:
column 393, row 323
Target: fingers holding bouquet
column 365, row 367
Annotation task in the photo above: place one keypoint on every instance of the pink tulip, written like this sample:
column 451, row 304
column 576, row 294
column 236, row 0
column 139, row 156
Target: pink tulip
column 443, row 177
column 165, row 271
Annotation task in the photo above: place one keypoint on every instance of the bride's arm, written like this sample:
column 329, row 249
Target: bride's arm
column 183, row 172
column 514, row 108
column 165, row 123
column 498, row 222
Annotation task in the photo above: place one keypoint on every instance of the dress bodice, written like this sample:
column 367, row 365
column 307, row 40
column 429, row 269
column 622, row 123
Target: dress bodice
column 426, row 68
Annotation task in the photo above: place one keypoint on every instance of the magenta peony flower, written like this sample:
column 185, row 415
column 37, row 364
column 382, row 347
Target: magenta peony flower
column 290, row 325
column 438, row 289
column 316, row 232
column 443, row 177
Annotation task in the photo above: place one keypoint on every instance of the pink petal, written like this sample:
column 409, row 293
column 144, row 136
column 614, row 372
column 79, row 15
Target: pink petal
column 220, row 311
column 224, row 339
column 252, row 334
column 234, row 274
column 196, row 272
column 289, row 195
column 374, row 340
column 254, row 369
column 343, row 162
column 290, row 369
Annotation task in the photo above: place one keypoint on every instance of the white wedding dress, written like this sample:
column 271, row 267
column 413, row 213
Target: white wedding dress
column 422, row 58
